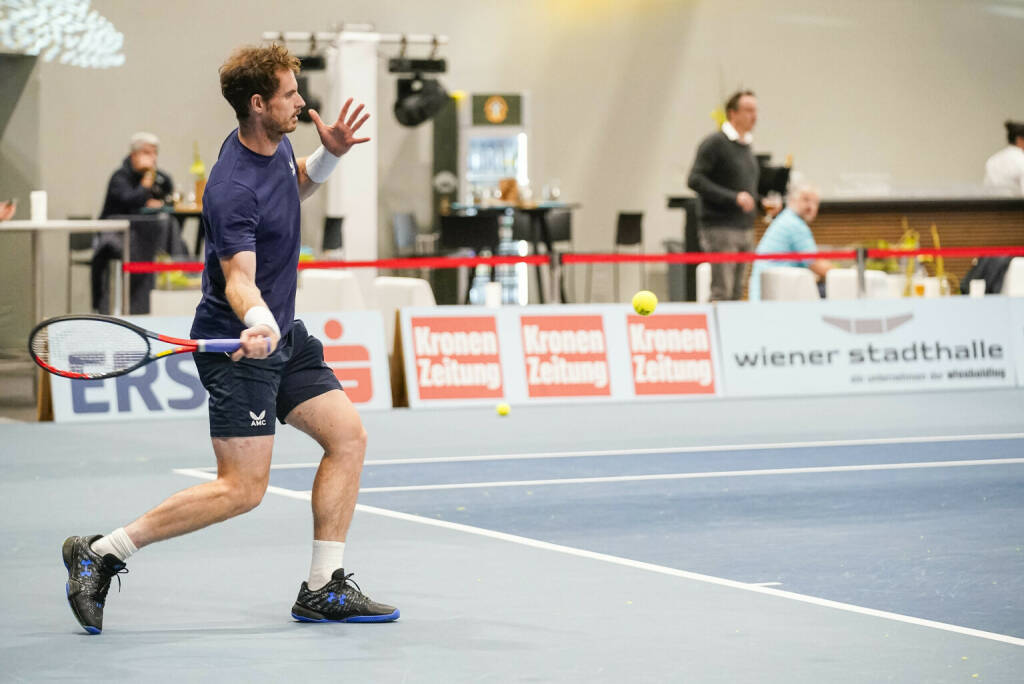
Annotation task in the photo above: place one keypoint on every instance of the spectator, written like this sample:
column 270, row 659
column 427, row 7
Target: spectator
column 725, row 175
column 790, row 232
column 1005, row 168
column 137, row 187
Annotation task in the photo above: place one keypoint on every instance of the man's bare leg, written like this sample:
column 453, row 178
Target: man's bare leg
column 334, row 423
column 329, row 596
column 243, row 471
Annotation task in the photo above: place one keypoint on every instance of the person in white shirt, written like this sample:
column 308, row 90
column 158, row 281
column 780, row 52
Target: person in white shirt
column 1005, row 168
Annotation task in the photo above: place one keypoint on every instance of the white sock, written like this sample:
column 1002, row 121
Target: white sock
column 117, row 542
column 327, row 557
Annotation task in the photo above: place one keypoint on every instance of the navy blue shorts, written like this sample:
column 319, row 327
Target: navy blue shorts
column 247, row 396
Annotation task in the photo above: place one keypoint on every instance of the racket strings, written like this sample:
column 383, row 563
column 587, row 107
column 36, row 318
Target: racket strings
column 90, row 347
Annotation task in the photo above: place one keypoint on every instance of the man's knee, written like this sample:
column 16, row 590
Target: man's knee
column 245, row 494
column 348, row 444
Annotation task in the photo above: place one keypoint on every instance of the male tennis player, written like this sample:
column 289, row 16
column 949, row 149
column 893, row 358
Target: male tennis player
column 251, row 219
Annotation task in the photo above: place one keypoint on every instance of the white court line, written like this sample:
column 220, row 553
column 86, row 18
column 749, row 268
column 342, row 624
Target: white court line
column 639, row 565
column 693, row 476
column 676, row 450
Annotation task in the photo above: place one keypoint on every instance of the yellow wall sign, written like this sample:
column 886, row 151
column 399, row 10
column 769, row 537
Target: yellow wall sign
column 496, row 109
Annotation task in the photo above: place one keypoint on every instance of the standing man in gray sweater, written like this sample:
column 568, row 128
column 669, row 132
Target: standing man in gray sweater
column 725, row 175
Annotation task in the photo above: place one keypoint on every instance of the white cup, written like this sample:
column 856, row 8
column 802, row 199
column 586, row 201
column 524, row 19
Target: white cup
column 38, row 203
column 492, row 295
column 977, row 288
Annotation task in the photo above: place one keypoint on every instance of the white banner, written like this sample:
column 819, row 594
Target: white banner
column 469, row 355
column 1017, row 323
column 170, row 388
column 875, row 345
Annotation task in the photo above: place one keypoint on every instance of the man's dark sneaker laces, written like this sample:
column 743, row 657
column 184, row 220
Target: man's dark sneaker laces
column 340, row 600
column 89, row 577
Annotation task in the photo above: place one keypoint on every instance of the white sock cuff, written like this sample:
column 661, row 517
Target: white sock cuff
column 117, row 543
column 328, row 556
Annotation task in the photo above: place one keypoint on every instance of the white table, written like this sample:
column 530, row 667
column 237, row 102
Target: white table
column 37, row 228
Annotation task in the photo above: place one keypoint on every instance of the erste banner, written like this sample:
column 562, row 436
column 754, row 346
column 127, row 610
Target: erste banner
column 354, row 348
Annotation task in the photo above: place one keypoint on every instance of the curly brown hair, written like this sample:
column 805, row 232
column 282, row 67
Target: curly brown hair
column 252, row 70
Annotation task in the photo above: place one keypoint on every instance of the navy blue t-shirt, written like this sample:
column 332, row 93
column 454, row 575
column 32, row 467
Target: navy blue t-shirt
column 251, row 204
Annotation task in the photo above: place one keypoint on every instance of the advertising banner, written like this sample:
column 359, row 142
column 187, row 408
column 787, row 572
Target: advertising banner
column 671, row 354
column 874, row 345
column 170, row 388
column 548, row 354
column 1017, row 327
column 565, row 356
column 452, row 356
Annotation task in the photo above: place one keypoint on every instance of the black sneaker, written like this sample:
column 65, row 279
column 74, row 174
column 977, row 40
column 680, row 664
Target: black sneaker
column 88, row 580
column 340, row 600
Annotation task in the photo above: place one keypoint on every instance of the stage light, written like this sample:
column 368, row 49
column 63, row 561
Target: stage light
column 418, row 100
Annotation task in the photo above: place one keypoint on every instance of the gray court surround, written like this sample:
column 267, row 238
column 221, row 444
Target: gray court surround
column 213, row 606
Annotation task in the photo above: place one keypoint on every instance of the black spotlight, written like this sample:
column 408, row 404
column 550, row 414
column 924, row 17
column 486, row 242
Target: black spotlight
column 418, row 100
column 312, row 101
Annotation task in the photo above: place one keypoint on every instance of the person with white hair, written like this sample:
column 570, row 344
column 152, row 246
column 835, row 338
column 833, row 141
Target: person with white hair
column 136, row 187
column 790, row 232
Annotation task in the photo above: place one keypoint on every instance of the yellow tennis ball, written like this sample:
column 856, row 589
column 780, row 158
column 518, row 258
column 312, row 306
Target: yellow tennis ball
column 503, row 409
column 645, row 302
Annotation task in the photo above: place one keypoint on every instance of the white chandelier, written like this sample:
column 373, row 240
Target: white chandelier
column 66, row 30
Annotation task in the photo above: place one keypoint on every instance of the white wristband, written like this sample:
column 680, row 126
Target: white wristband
column 260, row 315
column 320, row 164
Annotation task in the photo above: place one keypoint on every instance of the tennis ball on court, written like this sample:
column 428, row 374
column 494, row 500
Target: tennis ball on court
column 644, row 302
column 503, row 409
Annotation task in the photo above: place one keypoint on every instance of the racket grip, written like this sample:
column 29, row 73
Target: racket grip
column 228, row 346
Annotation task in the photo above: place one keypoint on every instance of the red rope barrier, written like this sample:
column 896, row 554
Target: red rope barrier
column 569, row 258
column 410, row 262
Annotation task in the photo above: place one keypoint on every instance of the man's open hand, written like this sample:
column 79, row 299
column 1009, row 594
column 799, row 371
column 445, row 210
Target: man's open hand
column 339, row 137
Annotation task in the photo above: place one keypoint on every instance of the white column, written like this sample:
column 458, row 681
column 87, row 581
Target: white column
column 352, row 188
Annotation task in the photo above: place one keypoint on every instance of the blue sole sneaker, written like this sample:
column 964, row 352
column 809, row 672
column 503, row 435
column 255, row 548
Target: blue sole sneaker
column 89, row 577
column 340, row 600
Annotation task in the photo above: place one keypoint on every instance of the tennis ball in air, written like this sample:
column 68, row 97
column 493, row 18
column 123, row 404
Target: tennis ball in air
column 503, row 409
column 644, row 302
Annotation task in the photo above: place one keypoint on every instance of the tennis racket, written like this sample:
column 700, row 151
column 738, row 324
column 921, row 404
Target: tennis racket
column 93, row 347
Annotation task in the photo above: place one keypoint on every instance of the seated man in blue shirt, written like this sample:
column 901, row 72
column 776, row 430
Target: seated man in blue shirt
column 790, row 232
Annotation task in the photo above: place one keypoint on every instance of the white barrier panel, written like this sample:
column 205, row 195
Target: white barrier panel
column 1017, row 322
column 543, row 354
column 170, row 388
column 838, row 347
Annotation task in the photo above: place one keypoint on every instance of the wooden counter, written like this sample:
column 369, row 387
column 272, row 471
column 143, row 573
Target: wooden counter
column 961, row 222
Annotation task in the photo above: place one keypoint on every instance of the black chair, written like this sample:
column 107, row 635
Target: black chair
column 79, row 252
column 628, row 233
column 332, row 238
column 477, row 233
column 409, row 240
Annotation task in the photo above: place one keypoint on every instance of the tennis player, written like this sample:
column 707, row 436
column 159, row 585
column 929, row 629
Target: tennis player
column 251, row 219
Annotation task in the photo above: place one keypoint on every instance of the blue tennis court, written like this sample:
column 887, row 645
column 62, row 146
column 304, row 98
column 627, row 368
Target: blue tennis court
column 924, row 529
column 879, row 539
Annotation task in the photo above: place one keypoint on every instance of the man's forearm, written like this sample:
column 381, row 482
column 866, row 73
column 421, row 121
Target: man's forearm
column 242, row 297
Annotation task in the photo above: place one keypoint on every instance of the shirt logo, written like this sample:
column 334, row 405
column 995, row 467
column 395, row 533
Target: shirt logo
column 291, row 165
column 258, row 419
